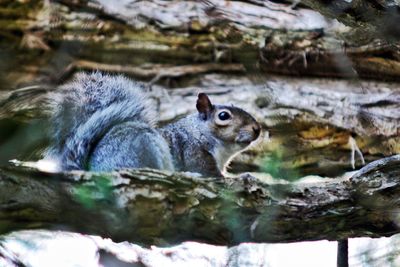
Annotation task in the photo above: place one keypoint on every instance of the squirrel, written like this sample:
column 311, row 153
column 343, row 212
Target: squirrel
column 104, row 123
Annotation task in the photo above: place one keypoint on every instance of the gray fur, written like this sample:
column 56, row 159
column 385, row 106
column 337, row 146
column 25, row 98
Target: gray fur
column 103, row 123
column 195, row 148
column 87, row 108
column 147, row 149
column 191, row 144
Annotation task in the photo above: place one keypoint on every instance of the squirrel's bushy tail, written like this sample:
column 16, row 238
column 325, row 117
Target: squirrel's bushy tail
column 86, row 108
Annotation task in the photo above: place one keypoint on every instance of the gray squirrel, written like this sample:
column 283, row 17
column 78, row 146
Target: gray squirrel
column 103, row 123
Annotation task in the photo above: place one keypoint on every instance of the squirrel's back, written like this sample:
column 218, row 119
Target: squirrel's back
column 87, row 108
column 103, row 123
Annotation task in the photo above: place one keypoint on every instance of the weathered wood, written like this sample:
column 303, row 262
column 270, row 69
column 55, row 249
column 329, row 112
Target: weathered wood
column 371, row 19
column 158, row 72
column 43, row 39
column 316, row 53
column 155, row 207
column 175, row 42
column 312, row 124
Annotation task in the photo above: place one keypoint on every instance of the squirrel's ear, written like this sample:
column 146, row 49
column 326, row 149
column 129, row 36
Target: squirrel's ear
column 203, row 105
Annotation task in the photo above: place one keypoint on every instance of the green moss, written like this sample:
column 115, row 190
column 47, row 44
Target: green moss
column 89, row 194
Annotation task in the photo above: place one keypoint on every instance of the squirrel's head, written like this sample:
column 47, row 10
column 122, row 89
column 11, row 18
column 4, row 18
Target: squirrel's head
column 228, row 123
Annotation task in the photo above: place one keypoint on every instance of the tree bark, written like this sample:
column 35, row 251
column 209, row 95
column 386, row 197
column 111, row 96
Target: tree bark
column 315, row 129
column 43, row 45
column 314, row 126
column 155, row 207
column 372, row 18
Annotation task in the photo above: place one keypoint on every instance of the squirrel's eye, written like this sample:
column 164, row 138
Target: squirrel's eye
column 223, row 116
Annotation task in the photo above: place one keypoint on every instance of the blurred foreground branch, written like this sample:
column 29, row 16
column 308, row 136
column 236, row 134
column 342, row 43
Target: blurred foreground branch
column 155, row 207
column 64, row 249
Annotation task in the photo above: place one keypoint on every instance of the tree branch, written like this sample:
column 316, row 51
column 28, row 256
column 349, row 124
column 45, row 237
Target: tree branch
column 312, row 130
column 33, row 248
column 154, row 207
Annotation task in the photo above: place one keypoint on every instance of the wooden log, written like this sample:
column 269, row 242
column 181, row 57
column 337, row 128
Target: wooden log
column 314, row 126
column 155, row 207
column 370, row 18
column 41, row 45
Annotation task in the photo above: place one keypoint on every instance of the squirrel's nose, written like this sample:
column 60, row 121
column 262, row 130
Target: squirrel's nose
column 257, row 130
